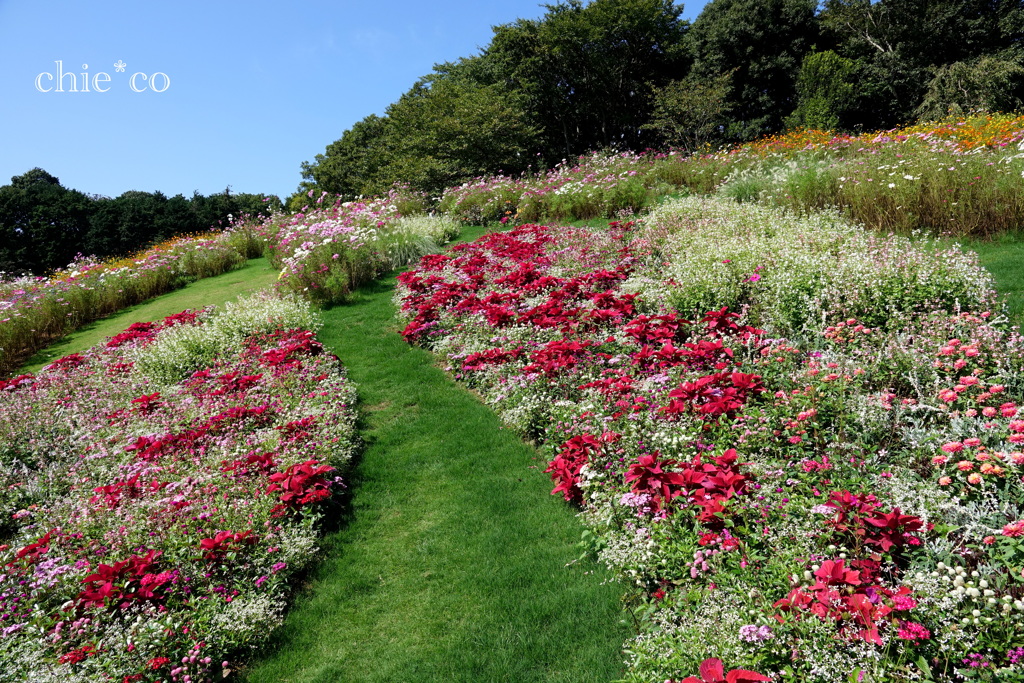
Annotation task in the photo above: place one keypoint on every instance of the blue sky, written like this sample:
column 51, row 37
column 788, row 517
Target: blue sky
column 249, row 89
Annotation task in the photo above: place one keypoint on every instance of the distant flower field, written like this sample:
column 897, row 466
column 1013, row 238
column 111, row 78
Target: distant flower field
column 328, row 249
column 159, row 493
column 799, row 444
column 959, row 177
column 35, row 311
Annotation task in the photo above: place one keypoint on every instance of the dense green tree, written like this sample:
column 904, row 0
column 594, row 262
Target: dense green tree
column 988, row 83
column 588, row 73
column 691, row 113
column 44, row 225
column 452, row 130
column 825, row 91
column 899, row 46
column 41, row 223
column 350, row 164
column 763, row 42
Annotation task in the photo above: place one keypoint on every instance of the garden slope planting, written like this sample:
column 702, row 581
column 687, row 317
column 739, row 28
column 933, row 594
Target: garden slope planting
column 451, row 565
column 799, row 443
column 159, row 492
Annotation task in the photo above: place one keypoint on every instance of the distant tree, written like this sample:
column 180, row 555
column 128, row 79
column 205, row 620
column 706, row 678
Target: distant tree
column 587, row 73
column 445, row 131
column 900, row 46
column 41, row 223
column 350, row 164
column 764, row 43
column 825, row 91
column 691, row 113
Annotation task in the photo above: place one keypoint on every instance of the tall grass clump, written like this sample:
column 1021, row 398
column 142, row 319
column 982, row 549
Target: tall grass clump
column 957, row 177
column 598, row 185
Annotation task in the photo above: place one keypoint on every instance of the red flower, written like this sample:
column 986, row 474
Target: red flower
column 648, row 476
column 157, row 662
column 713, row 671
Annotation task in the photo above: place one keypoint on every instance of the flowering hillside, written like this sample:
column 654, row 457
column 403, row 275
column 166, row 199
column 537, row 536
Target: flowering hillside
column 957, row 177
column 829, row 496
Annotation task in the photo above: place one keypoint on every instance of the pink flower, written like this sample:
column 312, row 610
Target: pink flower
column 1014, row 529
column 945, row 481
column 974, row 478
column 913, row 631
column 952, row 447
column 965, row 465
column 904, row 602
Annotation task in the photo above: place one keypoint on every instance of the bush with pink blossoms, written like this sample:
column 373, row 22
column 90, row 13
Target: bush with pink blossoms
column 331, row 247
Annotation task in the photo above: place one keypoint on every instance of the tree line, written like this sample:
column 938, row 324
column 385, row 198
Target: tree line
column 44, row 225
column 631, row 75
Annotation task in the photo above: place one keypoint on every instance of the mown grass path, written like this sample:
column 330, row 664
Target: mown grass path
column 450, row 564
column 449, row 561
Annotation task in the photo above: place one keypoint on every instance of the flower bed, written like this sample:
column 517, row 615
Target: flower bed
column 597, row 185
column 845, row 503
column 160, row 492
column 36, row 310
column 327, row 250
column 958, row 176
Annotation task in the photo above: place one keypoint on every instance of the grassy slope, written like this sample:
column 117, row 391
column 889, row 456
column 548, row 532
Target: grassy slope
column 253, row 275
column 451, row 562
column 1004, row 258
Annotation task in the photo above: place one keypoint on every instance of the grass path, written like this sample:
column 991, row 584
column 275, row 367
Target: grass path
column 1004, row 258
column 450, row 564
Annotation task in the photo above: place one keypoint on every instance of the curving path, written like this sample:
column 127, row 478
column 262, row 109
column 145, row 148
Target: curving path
column 451, row 562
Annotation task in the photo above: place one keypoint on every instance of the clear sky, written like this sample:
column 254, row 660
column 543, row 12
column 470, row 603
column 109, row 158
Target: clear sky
column 247, row 90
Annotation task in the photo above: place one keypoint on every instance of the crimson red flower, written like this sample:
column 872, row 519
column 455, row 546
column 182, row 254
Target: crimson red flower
column 713, row 671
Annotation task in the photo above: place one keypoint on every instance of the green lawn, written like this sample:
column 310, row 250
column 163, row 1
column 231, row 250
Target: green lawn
column 451, row 561
column 1004, row 258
